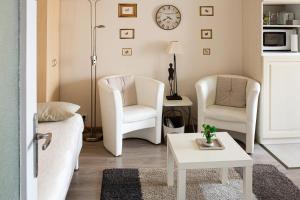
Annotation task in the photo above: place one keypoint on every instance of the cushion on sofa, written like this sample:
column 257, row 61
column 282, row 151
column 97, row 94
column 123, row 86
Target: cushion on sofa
column 126, row 85
column 231, row 92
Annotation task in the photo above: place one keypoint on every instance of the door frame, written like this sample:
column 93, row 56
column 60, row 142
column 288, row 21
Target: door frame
column 27, row 96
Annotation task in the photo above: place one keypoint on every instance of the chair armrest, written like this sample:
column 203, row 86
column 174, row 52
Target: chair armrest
column 149, row 92
column 252, row 95
column 206, row 92
column 111, row 106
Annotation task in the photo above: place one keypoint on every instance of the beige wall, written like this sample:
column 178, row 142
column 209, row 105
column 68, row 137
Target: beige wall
column 149, row 56
column 252, row 44
column 48, row 50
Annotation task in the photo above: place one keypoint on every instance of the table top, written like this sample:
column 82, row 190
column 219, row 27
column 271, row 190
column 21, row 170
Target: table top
column 187, row 154
column 178, row 103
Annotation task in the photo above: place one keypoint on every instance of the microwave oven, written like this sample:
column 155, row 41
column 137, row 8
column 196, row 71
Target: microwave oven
column 277, row 39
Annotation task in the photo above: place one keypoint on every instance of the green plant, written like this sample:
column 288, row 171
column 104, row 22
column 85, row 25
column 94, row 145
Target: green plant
column 209, row 132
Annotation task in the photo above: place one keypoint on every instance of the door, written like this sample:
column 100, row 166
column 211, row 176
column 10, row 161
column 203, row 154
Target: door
column 28, row 37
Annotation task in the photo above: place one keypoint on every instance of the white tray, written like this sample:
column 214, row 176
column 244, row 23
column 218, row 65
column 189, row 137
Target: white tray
column 217, row 144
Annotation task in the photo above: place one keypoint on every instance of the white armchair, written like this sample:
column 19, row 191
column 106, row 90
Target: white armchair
column 242, row 120
column 141, row 120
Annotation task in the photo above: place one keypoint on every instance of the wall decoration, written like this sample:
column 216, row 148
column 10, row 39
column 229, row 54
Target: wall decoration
column 206, row 11
column 127, row 52
column 127, row 10
column 206, row 51
column 127, row 33
column 168, row 17
column 206, row 34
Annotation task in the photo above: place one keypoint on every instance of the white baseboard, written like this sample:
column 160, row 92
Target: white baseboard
column 280, row 141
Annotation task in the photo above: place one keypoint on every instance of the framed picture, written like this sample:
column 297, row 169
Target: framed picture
column 127, row 10
column 206, row 51
column 206, row 34
column 127, row 52
column 206, row 11
column 126, row 33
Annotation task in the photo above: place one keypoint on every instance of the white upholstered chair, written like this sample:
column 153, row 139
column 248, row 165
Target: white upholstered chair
column 242, row 120
column 131, row 107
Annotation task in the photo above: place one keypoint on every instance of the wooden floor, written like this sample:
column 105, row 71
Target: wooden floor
column 86, row 183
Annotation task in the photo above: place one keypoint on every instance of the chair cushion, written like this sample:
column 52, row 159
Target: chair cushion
column 231, row 92
column 138, row 113
column 226, row 113
column 126, row 85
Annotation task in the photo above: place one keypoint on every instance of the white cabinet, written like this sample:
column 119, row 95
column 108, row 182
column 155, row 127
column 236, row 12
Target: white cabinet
column 280, row 99
column 278, row 73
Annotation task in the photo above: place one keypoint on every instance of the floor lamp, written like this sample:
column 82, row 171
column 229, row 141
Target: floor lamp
column 92, row 135
column 174, row 48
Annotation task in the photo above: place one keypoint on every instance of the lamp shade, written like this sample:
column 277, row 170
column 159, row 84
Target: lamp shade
column 174, row 47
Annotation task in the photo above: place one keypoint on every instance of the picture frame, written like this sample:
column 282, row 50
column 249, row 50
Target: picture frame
column 207, row 11
column 127, row 33
column 127, row 52
column 127, row 10
column 206, row 34
column 206, row 51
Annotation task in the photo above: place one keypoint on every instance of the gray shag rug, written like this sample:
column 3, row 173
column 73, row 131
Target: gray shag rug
column 150, row 184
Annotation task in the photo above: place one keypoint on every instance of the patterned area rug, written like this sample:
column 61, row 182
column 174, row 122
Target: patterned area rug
column 150, row 184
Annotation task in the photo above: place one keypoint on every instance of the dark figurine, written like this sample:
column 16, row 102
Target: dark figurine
column 171, row 78
column 171, row 72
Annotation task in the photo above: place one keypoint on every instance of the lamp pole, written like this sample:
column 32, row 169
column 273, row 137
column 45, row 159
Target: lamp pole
column 92, row 135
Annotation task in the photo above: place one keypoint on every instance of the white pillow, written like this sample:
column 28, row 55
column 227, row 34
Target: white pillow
column 231, row 92
column 56, row 111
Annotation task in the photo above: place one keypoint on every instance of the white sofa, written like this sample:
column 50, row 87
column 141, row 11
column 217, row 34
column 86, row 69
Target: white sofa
column 142, row 120
column 242, row 120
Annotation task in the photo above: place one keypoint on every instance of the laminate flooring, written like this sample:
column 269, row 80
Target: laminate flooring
column 86, row 182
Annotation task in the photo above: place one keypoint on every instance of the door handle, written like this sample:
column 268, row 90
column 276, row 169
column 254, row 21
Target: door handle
column 47, row 137
column 37, row 137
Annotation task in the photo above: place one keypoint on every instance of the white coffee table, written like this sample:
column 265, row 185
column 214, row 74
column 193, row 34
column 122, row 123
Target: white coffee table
column 183, row 150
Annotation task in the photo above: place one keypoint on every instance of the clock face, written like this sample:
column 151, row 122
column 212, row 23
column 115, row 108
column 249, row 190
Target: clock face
column 168, row 17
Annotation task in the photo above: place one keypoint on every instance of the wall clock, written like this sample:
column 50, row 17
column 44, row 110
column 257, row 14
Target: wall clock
column 168, row 17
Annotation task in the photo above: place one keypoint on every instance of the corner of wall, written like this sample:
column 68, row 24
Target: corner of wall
column 251, row 19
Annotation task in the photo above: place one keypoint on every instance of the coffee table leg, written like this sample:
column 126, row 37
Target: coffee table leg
column 224, row 175
column 181, row 184
column 170, row 167
column 247, row 182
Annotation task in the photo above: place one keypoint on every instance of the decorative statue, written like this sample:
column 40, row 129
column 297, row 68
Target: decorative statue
column 171, row 78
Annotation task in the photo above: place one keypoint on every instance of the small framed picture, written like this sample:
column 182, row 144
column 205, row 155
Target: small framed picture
column 206, row 11
column 126, row 33
column 206, row 34
column 127, row 10
column 127, row 52
column 206, row 51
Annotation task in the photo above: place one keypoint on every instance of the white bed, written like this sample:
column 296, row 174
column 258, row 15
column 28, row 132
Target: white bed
column 58, row 161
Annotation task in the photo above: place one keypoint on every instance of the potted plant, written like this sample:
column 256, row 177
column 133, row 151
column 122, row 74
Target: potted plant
column 209, row 132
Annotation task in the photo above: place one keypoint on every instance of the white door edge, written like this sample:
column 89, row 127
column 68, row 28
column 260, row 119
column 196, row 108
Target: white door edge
column 27, row 96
